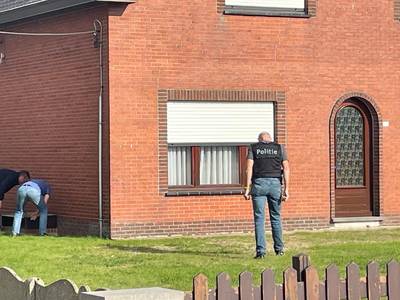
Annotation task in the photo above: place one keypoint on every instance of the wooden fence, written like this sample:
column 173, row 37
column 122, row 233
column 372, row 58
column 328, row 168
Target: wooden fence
column 301, row 282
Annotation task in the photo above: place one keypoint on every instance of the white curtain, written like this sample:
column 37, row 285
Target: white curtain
column 179, row 165
column 219, row 165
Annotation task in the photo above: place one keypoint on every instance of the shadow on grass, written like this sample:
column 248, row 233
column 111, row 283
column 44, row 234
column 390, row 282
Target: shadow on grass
column 156, row 250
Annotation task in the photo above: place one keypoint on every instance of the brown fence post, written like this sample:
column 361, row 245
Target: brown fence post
column 200, row 287
column 353, row 282
column 312, row 284
column 224, row 288
column 393, row 275
column 290, row 284
column 246, row 291
column 332, row 283
column 300, row 263
column 373, row 281
column 268, row 285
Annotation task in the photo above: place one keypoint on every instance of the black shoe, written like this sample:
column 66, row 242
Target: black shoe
column 280, row 253
column 44, row 234
column 259, row 256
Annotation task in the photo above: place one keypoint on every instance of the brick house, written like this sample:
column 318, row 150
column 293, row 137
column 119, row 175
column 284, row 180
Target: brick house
column 186, row 86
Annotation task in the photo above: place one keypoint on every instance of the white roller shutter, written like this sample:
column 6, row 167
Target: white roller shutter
column 267, row 3
column 218, row 122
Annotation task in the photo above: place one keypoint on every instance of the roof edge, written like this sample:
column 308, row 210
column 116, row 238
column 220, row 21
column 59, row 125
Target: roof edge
column 36, row 9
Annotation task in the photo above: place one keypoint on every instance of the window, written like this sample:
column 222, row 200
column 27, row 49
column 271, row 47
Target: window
column 266, row 7
column 179, row 165
column 208, row 141
column 206, row 166
column 219, row 165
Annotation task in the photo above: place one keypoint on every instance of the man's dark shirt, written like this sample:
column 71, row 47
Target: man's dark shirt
column 44, row 186
column 8, row 179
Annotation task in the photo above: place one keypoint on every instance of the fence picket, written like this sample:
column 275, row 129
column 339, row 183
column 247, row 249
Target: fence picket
column 188, row 297
column 224, row 288
column 301, row 288
column 322, row 291
column 393, row 279
column 332, row 283
column 290, row 284
column 257, row 293
column 212, row 295
column 279, row 292
column 200, row 287
column 268, row 285
column 246, row 286
column 373, row 281
column 312, row 284
column 353, row 282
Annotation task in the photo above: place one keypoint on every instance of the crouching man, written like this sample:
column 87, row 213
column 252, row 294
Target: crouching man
column 37, row 191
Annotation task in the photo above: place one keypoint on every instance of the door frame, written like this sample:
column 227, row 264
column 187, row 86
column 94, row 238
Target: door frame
column 376, row 149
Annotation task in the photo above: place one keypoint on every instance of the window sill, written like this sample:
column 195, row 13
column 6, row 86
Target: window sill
column 357, row 219
column 204, row 192
column 256, row 11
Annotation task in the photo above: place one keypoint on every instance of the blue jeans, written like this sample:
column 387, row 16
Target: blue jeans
column 24, row 193
column 267, row 189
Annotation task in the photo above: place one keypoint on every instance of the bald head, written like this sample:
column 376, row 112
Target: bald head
column 264, row 137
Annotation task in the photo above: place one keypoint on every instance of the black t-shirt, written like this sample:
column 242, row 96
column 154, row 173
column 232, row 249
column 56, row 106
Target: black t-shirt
column 8, row 179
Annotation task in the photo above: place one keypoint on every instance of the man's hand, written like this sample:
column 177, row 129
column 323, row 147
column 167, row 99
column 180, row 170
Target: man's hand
column 249, row 174
column 46, row 198
column 285, row 194
column 33, row 215
column 286, row 172
column 247, row 194
column 0, row 203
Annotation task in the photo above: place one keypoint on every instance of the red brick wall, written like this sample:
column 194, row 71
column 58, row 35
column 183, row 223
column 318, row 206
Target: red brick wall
column 49, row 89
column 348, row 47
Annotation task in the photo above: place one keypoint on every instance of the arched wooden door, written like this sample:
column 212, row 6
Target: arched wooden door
column 353, row 158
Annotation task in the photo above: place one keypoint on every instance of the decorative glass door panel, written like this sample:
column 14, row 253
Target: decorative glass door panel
column 349, row 147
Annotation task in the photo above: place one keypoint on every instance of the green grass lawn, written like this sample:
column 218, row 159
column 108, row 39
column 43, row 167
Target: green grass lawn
column 172, row 262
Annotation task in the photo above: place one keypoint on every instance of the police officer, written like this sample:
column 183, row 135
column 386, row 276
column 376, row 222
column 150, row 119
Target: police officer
column 266, row 161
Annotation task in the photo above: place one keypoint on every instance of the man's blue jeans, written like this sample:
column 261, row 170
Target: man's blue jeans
column 24, row 193
column 267, row 189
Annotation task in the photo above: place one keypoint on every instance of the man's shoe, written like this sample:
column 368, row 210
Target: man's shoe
column 259, row 256
column 43, row 234
column 280, row 253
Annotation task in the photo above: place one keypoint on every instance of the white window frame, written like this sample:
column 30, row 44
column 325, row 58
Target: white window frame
column 244, row 7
